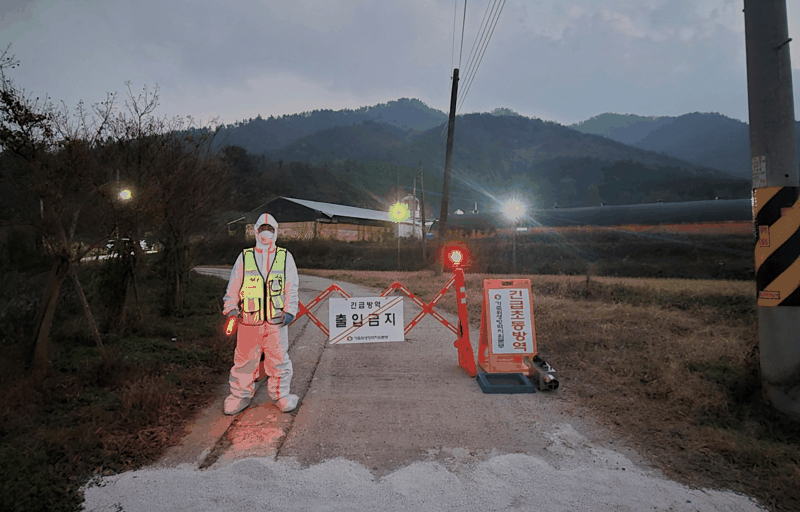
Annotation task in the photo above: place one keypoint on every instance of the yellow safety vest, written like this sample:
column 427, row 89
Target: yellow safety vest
column 254, row 310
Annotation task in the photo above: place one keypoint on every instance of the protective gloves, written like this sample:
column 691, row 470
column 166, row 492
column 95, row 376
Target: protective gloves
column 287, row 319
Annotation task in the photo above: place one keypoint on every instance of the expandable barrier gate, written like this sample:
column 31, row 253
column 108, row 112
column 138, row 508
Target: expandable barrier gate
column 466, row 358
column 508, row 335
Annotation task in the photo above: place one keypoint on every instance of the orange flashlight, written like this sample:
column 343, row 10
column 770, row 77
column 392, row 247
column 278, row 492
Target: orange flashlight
column 230, row 325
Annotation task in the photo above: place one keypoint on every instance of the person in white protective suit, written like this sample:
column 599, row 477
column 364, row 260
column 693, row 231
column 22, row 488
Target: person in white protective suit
column 262, row 296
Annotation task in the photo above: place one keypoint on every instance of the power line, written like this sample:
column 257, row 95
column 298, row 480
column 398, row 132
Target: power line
column 453, row 51
column 483, row 51
column 478, row 36
column 461, row 51
column 477, row 43
column 463, row 23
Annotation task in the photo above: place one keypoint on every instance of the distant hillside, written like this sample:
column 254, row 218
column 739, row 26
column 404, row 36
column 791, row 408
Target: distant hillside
column 493, row 153
column 369, row 141
column 261, row 135
column 259, row 179
column 503, row 112
column 708, row 139
column 405, row 113
column 625, row 128
column 483, row 143
column 704, row 139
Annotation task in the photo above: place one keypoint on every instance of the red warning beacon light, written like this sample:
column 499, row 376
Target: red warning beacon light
column 456, row 255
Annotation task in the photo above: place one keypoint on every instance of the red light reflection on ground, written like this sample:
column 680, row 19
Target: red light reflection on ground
column 249, row 435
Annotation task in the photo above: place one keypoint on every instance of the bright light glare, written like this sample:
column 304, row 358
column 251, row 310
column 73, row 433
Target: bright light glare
column 456, row 257
column 399, row 212
column 125, row 194
column 514, row 209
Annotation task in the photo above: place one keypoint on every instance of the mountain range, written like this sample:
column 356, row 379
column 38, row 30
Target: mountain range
column 706, row 139
column 260, row 136
column 610, row 158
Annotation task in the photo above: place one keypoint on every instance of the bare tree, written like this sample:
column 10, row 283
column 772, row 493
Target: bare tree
column 179, row 182
column 72, row 168
column 57, row 152
column 194, row 184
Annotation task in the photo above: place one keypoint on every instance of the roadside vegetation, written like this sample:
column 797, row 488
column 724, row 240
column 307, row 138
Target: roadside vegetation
column 671, row 364
column 94, row 416
column 599, row 251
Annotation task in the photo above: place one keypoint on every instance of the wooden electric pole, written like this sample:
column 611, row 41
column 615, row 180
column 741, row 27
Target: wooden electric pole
column 451, row 126
column 776, row 209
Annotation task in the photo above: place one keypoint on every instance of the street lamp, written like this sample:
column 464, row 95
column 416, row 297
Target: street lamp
column 123, row 195
column 514, row 210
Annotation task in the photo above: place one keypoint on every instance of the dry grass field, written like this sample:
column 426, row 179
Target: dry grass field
column 671, row 364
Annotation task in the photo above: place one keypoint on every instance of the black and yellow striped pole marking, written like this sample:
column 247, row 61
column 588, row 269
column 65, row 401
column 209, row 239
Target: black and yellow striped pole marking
column 776, row 211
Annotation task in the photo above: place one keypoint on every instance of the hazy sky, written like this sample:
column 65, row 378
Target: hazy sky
column 560, row 60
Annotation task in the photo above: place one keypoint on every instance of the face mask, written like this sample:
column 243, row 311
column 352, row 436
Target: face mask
column 265, row 237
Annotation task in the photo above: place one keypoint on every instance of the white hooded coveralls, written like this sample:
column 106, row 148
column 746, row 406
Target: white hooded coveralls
column 271, row 340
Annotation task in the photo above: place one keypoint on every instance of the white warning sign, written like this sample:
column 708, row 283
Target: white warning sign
column 510, row 324
column 365, row 320
column 759, row 171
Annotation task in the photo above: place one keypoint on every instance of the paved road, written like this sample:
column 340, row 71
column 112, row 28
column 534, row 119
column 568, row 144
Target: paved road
column 399, row 426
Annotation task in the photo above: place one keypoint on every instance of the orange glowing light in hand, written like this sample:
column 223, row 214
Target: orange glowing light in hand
column 230, row 326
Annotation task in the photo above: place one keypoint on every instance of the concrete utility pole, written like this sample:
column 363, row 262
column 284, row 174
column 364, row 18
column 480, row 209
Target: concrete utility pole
column 776, row 210
column 451, row 127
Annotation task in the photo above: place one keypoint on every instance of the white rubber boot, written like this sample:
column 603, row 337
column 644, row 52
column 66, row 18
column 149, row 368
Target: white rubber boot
column 287, row 403
column 235, row 405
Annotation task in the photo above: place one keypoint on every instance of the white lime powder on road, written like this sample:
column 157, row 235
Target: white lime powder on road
column 577, row 477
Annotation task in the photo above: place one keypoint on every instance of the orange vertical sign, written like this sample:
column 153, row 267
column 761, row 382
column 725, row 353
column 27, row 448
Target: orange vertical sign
column 508, row 331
